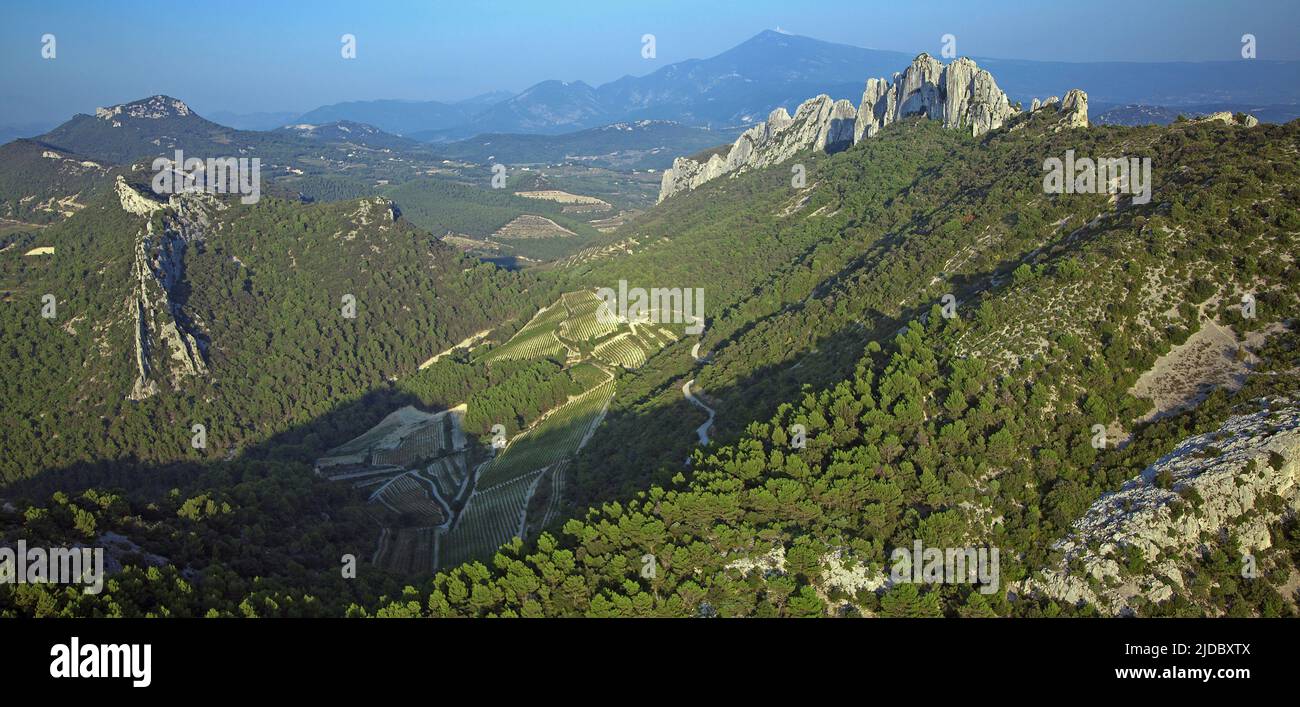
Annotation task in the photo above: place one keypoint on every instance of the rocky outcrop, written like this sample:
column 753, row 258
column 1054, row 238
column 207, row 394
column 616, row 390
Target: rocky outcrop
column 1245, row 120
column 167, row 341
column 817, row 122
column 1241, row 478
column 377, row 208
column 1075, row 109
column 133, row 202
column 151, row 108
column 839, row 576
column 686, row 173
column 841, row 131
column 1071, row 112
column 961, row 95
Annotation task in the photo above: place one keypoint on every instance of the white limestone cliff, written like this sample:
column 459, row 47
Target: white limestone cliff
column 166, row 340
column 151, row 108
column 1210, row 485
column 1246, row 120
column 961, row 95
column 133, row 202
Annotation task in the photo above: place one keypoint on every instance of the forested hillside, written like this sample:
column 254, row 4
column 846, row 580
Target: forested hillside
column 882, row 232
column 976, row 429
column 858, row 409
column 42, row 183
column 298, row 309
column 475, row 213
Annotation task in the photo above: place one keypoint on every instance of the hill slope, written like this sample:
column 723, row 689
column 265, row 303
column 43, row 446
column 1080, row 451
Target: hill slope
column 249, row 318
column 771, row 70
column 649, row 144
column 916, row 344
column 41, row 182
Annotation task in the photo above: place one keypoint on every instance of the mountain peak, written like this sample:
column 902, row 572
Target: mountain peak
column 959, row 94
column 151, row 108
column 769, row 34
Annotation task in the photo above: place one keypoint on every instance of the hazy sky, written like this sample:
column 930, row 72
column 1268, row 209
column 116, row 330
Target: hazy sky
column 278, row 55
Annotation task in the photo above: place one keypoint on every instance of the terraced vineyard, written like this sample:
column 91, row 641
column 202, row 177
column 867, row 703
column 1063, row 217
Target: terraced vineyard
column 498, row 507
column 553, row 439
column 667, row 334
column 418, row 467
column 537, row 339
column 492, row 517
column 584, row 321
column 404, row 435
column 448, row 475
column 557, row 494
column 409, row 495
column 497, row 510
column 426, row 442
column 371, row 483
column 408, row 550
column 413, row 466
column 588, row 374
column 654, row 335
column 623, row 350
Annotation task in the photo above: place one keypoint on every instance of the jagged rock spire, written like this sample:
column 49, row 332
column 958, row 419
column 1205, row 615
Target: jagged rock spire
column 961, row 95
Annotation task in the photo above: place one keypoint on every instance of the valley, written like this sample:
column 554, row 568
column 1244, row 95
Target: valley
column 487, row 500
column 399, row 350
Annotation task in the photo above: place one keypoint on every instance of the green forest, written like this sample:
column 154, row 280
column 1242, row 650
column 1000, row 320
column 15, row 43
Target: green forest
column 825, row 324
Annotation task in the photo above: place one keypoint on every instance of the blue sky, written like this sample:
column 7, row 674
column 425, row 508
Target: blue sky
column 278, row 55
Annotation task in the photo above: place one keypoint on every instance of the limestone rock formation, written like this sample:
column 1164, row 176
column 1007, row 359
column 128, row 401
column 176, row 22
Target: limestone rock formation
column 842, row 129
column 961, row 95
column 1246, row 120
column 686, row 174
column 1072, row 111
column 151, row 108
column 133, row 202
column 165, row 336
column 1210, row 484
column 379, row 208
column 768, row 143
column 1075, row 108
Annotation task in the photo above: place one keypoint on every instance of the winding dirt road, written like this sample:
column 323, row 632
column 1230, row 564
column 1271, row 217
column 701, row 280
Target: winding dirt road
column 703, row 430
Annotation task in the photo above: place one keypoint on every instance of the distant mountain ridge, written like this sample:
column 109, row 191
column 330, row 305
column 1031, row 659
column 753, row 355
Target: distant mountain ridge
column 262, row 120
column 643, row 144
column 404, row 117
column 347, row 131
column 158, row 125
column 777, row 70
column 1141, row 114
column 49, row 177
column 15, row 132
column 152, row 125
